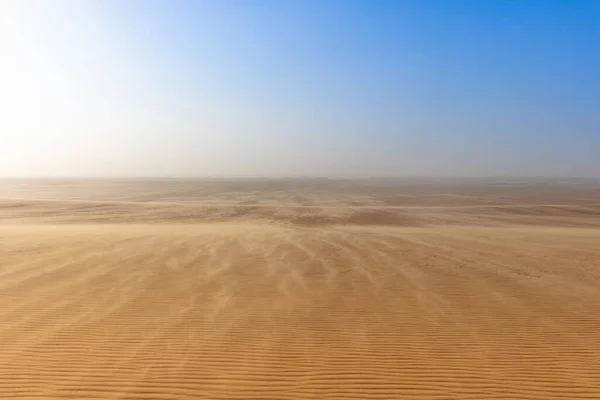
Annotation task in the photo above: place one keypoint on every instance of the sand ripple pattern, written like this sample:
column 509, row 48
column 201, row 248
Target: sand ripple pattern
column 262, row 311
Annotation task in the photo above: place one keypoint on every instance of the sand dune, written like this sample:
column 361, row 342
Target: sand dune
column 330, row 291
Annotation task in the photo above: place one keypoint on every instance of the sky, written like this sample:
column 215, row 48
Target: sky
column 278, row 88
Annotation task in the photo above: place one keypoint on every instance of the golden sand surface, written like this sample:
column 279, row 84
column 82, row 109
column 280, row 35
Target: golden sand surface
column 299, row 289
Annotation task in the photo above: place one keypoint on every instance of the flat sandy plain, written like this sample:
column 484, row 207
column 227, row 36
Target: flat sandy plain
column 299, row 289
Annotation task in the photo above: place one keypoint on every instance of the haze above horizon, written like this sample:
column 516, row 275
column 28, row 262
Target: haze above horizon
column 299, row 88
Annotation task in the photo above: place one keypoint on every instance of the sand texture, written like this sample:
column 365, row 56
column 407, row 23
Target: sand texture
column 299, row 289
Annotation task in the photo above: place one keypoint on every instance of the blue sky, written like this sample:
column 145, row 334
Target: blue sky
column 296, row 88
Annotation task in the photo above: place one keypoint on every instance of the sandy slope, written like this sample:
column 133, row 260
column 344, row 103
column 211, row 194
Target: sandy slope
column 345, row 296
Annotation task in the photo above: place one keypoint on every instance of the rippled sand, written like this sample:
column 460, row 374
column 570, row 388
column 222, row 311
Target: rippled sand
column 299, row 290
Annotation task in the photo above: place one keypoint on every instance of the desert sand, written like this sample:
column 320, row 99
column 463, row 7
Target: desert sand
column 299, row 289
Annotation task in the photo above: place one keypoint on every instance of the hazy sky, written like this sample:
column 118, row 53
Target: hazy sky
column 290, row 88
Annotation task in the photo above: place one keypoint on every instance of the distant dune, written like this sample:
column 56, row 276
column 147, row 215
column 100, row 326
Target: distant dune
column 299, row 289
